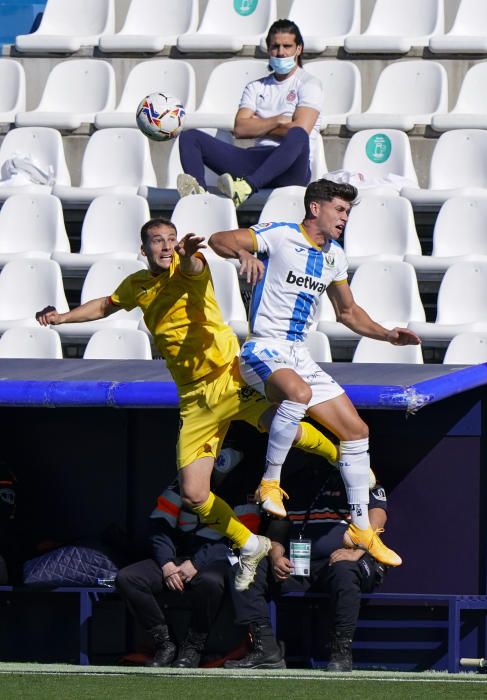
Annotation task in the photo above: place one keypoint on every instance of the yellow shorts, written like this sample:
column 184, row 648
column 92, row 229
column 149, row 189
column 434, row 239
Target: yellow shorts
column 207, row 409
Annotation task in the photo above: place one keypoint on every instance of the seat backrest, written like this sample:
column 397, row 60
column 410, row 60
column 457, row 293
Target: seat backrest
column 462, row 296
column 369, row 350
column 79, row 85
column 326, row 17
column 152, row 17
column 203, row 214
column 460, row 227
column 226, row 83
column 466, row 349
column 240, row 18
column 471, row 19
column 159, row 75
column 406, row 18
column 24, row 342
column 118, row 344
column 77, row 17
column 376, row 153
column 227, row 290
column 342, row 86
column 43, row 144
column 112, row 224
column 284, row 204
column 381, row 225
column 103, row 278
column 459, row 159
column 318, row 346
column 32, row 222
column 388, row 291
column 117, row 157
column 411, row 87
column 12, row 86
column 29, row 284
column 472, row 98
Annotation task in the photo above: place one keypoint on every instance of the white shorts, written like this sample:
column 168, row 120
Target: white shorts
column 259, row 358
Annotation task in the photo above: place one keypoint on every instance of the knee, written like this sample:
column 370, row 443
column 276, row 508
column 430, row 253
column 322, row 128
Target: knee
column 343, row 576
column 211, row 582
column 194, row 497
column 299, row 135
column 126, row 579
column 356, row 430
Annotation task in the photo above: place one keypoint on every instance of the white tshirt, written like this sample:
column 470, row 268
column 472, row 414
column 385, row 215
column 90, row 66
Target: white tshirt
column 297, row 273
column 268, row 97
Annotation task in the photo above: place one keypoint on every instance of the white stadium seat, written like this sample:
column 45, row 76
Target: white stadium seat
column 387, row 290
column 32, row 225
column 31, row 343
column 150, row 25
column 468, row 33
column 284, row 204
column 395, row 27
column 118, row 344
column 12, row 90
column 466, row 349
column 459, row 234
column 229, row 26
column 26, row 286
column 458, row 167
column 67, row 26
column 325, row 23
column 157, row 75
column 470, row 110
column 377, row 154
column 342, row 89
column 222, row 93
column 102, row 279
column 74, row 92
column 318, row 346
column 407, row 93
column 43, row 147
column 115, row 161
column 370, row 350
column 380, row 228
column 461, row 306
column 228, row 296
column 111, row 228
column 203, row 214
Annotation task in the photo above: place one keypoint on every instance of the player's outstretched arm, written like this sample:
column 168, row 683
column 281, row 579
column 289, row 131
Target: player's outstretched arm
column 90, row 311
column 186, row 248
column 239, row 244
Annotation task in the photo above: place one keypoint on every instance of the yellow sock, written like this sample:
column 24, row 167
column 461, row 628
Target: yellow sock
column 218, row 515
column 316, row 443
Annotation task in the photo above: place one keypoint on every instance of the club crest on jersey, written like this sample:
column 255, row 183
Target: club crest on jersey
column 330, row 259
column 291, row 96
column 261, row 227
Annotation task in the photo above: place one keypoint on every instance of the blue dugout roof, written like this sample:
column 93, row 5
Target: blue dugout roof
column 147, row 384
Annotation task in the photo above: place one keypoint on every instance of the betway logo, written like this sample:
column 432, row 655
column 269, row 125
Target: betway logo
column 307, row 282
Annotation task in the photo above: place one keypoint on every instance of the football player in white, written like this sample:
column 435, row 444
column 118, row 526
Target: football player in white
column 294, row 265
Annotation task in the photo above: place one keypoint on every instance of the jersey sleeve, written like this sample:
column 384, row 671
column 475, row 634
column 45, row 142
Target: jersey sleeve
column 124, row 296
column 249, row 96
column 341, row 274
column 310, row 94
column 267, row 237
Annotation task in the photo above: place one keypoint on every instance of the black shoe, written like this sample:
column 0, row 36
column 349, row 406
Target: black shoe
column 341, row 654
column 266, row 652
column 165, row 649
column 191, row 649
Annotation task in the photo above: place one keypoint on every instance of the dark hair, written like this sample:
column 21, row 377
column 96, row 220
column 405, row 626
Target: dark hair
column 155, row 223
column 286, row 26
column 326, row 190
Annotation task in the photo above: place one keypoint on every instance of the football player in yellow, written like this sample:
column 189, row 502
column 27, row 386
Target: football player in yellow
column 201, row 352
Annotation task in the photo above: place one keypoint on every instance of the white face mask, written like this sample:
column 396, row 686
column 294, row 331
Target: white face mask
column 282, row 65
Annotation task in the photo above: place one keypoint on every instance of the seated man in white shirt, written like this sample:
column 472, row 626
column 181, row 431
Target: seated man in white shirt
column 280, row 111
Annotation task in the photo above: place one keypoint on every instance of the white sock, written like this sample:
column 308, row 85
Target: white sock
column 282, row 434
column 251, row 546
column 354, row 464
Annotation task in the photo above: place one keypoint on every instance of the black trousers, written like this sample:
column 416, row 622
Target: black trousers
column 343, row 581
column 141, row 586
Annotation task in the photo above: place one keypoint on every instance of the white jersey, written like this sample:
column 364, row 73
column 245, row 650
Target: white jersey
column 268, row 97
column 297, row 273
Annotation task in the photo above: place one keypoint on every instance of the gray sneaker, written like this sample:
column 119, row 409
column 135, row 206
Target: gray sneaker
column 187, row 184
column 249, row 564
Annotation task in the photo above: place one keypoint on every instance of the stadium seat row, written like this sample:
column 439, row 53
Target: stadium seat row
column 151, row 25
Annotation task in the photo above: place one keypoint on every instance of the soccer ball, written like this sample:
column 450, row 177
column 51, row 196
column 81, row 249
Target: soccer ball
column 160, row 116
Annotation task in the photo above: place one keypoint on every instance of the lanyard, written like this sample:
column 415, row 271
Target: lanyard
column 311, row 506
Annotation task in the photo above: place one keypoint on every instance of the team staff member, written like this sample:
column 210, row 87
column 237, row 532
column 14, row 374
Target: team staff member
column 201, row 352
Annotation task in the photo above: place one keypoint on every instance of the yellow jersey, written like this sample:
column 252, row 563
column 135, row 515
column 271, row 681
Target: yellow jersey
column 183, row 316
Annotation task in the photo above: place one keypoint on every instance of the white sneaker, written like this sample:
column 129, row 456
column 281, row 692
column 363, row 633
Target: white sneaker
column 249, row 563
column 187, row 184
